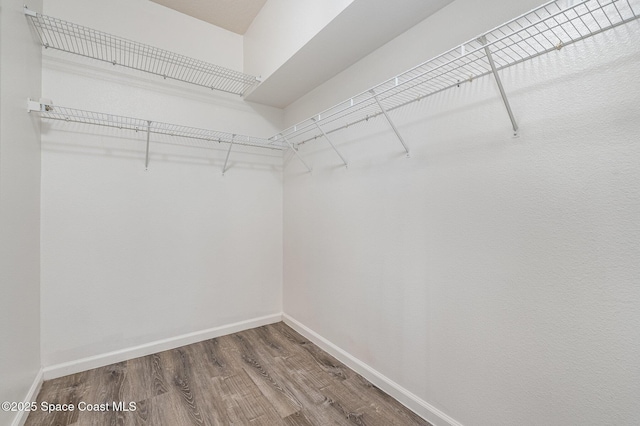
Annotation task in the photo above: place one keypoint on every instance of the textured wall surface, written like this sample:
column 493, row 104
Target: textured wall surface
column 129, row 256
column 20, row 75
column 494, row 277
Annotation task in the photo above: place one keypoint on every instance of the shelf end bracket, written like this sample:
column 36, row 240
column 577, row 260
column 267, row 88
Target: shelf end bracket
column 43, row 105
column 29, row 12
column 393, row 126
column 315, row 121
column 503, row 94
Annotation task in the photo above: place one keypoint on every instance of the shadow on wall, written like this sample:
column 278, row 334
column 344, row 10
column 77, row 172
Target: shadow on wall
column 85, row 140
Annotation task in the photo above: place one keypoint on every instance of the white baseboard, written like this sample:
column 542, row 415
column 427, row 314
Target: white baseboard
column 405, row 397
column 72, row 367
column 32, row 394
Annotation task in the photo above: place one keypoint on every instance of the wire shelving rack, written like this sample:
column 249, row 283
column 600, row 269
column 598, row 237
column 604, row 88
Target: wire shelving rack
column 66, row 36
column 547, row 28
column 177, row 131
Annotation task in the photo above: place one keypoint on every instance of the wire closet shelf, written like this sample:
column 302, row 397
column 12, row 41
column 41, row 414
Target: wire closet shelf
column 55, row 112
column 547, row 28
column 73, row 38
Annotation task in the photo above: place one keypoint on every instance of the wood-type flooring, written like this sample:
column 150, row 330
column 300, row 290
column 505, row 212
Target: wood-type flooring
column 269, row 375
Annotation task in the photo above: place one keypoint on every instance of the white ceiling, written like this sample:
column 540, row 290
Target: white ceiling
column 232, row 15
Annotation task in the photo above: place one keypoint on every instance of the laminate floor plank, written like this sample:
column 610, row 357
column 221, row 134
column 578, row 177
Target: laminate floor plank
column 231, row 412
column 104, row 386
column 328, row 363
column 297, row 419
column 166, row 409
column 209, row 358
column 269, row 414
column 383, row 409
column 181, row 370
column 314, row 375
column 270, row 342
column 240, row 384
column 261, row 368
column 267, row 376
column 144, row 379
column 69, row 389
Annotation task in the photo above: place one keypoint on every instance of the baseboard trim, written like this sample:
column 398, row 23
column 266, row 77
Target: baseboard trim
column 404, row 396
column 32, row 394
column 72, row 367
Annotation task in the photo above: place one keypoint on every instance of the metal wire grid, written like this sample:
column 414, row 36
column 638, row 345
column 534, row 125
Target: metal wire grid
column 158, row 128
column 551, row 26
column 73, row 38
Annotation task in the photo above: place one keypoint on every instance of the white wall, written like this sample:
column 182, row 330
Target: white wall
column 131, row 257
column 281, row 28
column 494, row 278
column 19, row 206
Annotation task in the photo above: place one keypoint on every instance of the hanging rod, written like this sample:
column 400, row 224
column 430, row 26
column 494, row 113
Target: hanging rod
column 547, row 28
column 73, row 38
column 56, row 112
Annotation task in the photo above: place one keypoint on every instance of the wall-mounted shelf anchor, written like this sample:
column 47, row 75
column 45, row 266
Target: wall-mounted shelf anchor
column 43, row 105
column 29, row 12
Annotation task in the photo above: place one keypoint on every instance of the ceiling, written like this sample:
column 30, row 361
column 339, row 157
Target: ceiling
column 232, row 15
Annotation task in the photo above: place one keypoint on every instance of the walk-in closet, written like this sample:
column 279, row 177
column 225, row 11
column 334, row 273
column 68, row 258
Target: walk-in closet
column 336, row 212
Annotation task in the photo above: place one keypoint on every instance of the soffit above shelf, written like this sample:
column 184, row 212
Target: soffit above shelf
column 361, row 28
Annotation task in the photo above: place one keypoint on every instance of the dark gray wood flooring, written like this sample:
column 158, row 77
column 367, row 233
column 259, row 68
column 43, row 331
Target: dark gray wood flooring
column 269, row 375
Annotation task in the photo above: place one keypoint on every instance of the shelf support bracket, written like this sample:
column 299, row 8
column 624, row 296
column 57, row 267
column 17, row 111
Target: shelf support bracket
column 146, row 159
column 330, row 143
column 483, row 40
column 43, row 105
column 393, row 126
column 29, row 12
column 226, row 160
column 296, row 152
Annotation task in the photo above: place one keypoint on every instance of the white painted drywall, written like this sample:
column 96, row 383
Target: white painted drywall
column 281, row 28
column 131, row 257
column 495, row 278
column 20, row 76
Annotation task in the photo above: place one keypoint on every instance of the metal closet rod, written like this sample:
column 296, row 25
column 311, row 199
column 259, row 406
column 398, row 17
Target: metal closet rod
column 69, row 37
